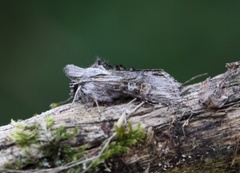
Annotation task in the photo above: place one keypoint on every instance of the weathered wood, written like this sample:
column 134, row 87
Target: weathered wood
column 194, row 136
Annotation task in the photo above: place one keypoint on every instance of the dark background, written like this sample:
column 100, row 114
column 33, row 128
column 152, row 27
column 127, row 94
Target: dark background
column 38, row 38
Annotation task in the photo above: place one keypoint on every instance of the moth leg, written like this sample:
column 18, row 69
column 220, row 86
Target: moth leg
column 125, row 115
column 132, row 101
column 76, row 94
column 186, row 123
column 138, row 106
column 98, row 108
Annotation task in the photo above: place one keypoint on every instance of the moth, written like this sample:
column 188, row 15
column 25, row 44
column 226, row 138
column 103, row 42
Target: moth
column 103, row 82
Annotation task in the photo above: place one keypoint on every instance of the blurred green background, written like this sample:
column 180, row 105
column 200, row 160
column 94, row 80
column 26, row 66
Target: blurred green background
column 38, row 38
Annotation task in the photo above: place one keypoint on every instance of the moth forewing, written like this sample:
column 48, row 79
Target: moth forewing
column 100, row 82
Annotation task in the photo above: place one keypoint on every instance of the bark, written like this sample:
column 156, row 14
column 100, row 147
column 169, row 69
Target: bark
column 200, row 135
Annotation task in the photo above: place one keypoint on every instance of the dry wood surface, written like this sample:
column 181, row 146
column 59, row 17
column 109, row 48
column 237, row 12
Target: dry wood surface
column 200, row 134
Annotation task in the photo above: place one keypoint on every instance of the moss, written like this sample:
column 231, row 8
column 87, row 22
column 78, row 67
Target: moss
column 55, row 152
column 54, row 105
column 125, row 138
column 57, row 104
column 23, row 134
column 45, row 138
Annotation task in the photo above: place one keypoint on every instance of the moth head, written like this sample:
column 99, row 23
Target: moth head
column 75, row 73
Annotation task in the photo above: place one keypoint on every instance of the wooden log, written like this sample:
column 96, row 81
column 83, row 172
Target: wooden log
column 200, row 135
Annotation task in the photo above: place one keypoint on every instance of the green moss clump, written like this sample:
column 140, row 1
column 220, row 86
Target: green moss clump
column 56, row 152
column 45, row 138
column 125, row 138
column 54, row 105
column 23, row 134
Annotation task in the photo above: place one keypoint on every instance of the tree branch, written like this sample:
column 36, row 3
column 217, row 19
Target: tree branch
column 201, row 133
